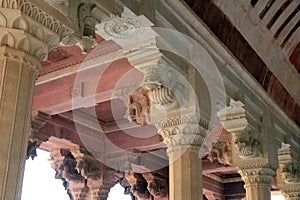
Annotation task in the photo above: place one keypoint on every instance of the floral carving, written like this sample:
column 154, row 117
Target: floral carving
column 139, row 107
column 257, row 176
column 288, row 174
column 233, row 117
column 123, row 27
column 291, row 173
column 247, row 146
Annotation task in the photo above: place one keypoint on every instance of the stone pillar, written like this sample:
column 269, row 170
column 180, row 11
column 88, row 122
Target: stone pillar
column 183, row 137
column 165, row 99
column 258, row 179
column 288, row 174
column 26, row 35
column 253, row 164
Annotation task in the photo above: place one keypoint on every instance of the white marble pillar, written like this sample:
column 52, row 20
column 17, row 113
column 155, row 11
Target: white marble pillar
column 24, row 43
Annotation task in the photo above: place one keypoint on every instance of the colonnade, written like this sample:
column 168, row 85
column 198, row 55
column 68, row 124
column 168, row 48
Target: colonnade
column 25, row 40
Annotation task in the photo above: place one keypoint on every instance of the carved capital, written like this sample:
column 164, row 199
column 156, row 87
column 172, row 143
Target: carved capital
column 291, row 192
column 27, row 28
column 182, row 130
column 256, row 172
column 83, row 175
column 289, row 167
column 257, row 177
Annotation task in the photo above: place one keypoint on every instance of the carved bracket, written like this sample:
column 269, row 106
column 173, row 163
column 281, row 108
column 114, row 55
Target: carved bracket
column 288, row 174
column 37, row 122
column 157, row 185
column 222, row 150
column 138, row 186
column 139, row 107
column 246, row 144
column 233, row 119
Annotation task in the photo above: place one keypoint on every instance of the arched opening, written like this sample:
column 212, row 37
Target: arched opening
column 117, row 192
column 39, row 180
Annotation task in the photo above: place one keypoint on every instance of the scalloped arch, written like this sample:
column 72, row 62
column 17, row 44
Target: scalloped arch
column 52, row 41
column 20, row 23
column 33, row 12
column 37, row 32
column 54, row 26
column 24, row 44
column 25, row 7
column 8, row 40
column 39, row 52
column 3, row 20
column 13, row 4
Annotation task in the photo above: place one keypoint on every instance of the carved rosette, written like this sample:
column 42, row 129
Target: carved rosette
column 124, row 28
column 288, row 173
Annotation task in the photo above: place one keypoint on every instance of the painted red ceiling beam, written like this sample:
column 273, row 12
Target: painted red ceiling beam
column 135, row 138
column 98, row 83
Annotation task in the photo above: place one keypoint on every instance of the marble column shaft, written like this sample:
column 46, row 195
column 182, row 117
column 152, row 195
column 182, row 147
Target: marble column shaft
column 185, row 173
column 18, row 72
column 24, row 43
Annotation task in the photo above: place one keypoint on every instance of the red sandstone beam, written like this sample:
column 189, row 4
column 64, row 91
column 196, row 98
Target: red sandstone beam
column 56, row 96
column 135, row 138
